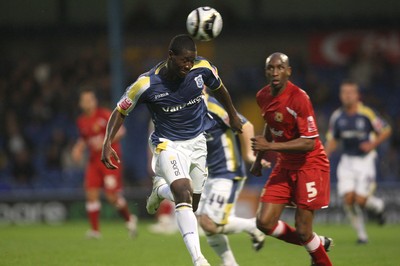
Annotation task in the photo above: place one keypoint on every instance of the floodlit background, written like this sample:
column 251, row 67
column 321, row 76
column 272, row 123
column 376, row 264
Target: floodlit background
column 51, row 48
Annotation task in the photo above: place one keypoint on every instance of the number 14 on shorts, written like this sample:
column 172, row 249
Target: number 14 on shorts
column 218, row 199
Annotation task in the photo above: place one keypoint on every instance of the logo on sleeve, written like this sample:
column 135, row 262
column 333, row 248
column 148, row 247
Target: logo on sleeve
column 125, row 103
column 199, row 81
column 311, row 124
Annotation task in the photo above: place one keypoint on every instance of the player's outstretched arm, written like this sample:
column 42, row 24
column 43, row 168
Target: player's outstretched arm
column 78, row 149
column 120, row 134
column 222, row 95
column 299, row 145
column 245, row 142
column 381, row 137
column 114, row 124
column 245, row 145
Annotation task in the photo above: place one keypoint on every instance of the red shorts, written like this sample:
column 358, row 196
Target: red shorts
column 99, row 176
column 306, row 188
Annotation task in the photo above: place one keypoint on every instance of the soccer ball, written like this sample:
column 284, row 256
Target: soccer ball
column 204, row 23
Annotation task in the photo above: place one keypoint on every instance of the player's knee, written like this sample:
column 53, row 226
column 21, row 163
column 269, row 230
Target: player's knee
column 265, row 226
column 112, row 198
column 120, row 202
column 349, row 198
column 361, row 200
column 182, row 191
column 209, row 227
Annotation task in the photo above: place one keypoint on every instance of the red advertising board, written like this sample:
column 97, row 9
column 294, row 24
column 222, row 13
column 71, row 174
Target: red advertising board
column 336, row 48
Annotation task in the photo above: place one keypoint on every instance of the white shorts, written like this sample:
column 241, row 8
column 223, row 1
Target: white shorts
column 173, row 160
column 357, row 174
column 219, row 198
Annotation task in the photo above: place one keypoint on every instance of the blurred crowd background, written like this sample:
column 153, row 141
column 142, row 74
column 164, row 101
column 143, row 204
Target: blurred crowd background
column 51, row 48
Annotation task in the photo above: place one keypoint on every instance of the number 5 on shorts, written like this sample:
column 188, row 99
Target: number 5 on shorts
column 311, row 190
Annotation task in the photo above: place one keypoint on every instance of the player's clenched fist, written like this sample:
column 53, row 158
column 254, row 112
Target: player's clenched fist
column 259, row 143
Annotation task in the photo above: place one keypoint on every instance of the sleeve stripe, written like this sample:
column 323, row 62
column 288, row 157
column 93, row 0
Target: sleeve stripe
column 133, row 93
column 220, row 85
column 202, row 63
column 309, row 137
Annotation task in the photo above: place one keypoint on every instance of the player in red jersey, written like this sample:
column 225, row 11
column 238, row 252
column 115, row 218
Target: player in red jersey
column 301, row 175
column 92, row 127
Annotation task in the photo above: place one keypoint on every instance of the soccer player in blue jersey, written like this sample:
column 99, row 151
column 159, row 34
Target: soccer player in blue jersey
column 360, row 130
column 172, row 91
column 227, row 153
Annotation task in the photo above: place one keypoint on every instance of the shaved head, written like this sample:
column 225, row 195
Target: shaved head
column 281, row 56
column 277, row 71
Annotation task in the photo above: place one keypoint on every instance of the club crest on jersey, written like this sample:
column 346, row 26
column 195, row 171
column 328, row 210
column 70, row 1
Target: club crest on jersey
column 278, row 117
column 199, row 81
column 360, row 123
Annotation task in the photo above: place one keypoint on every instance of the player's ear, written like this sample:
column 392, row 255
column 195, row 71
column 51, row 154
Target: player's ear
column 289, row 71
column 170, row 54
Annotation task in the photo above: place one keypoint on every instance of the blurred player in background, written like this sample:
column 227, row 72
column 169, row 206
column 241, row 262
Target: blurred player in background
column 172, row 91
column 301, row 174
column 226, row 156
column 360, row 130
column 92, row 127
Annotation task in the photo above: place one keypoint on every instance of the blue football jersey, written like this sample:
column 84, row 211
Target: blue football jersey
column 177, row 108
column 354, row 129
column 224, row 159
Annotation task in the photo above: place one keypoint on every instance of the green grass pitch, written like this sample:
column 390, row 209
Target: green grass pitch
column 65, row 245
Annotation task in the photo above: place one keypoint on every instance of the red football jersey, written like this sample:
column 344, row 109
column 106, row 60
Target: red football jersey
column 92, row 129
column 290, row 115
